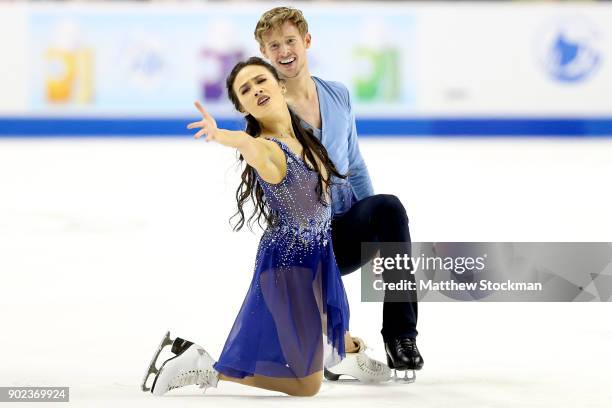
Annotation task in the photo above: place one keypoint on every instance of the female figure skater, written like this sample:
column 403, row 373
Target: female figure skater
column 295, row 315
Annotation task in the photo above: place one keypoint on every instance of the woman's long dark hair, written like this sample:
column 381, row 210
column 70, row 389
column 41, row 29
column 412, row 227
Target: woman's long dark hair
column 249, row 187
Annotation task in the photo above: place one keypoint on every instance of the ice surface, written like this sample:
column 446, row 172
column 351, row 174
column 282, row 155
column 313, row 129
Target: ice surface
column 106, row 244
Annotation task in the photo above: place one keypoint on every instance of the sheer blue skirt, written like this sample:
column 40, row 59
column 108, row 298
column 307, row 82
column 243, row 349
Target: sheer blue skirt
column 295, row 314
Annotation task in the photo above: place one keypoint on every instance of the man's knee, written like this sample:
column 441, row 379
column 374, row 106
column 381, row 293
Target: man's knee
column 391, row 206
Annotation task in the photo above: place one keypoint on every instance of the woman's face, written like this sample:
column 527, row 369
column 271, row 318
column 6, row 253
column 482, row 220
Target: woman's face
column 258, row 92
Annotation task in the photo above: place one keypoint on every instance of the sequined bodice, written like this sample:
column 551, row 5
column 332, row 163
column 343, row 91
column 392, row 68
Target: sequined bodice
column 295, row 202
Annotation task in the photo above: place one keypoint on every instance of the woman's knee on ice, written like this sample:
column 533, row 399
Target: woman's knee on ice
column 308, row 390
column 308, row 387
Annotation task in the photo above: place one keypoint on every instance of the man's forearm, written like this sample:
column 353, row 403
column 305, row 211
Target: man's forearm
column 360, row 181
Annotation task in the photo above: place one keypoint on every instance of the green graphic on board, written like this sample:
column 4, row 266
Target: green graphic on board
column 380, row 81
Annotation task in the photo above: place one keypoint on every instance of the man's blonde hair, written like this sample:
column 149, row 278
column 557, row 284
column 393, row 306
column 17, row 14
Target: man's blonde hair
column 276, row 17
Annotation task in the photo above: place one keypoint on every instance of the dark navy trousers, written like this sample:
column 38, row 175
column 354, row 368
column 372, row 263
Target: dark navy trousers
column 378, row 218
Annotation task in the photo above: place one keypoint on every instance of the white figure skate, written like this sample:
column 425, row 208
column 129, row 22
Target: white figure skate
column 191, row 365
column 360, row 367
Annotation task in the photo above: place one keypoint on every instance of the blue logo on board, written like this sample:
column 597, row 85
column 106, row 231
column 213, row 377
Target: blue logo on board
column 569, row 49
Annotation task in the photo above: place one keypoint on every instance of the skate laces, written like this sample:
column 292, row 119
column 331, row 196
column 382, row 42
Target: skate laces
column 369, row 365
column 407, row 344
column 204, row 378
column 209, row 379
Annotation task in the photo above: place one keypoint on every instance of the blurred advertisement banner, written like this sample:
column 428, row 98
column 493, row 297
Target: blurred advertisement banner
column 13, row 62
column 411, row 68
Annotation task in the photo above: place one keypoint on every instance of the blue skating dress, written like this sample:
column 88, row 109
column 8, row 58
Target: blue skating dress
column 294, row 316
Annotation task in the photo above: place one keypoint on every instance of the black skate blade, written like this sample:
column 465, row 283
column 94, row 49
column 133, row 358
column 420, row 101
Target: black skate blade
column 346, row 379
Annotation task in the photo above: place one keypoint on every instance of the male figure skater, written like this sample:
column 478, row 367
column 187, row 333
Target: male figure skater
column 359, row 215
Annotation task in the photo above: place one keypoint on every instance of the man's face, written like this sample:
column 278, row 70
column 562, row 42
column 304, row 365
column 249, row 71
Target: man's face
column 286, row 49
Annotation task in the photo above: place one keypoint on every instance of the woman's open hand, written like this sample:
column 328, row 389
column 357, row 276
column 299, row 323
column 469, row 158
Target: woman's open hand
column 208, row 125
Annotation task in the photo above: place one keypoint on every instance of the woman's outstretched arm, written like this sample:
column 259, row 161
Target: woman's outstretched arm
column 259, row 153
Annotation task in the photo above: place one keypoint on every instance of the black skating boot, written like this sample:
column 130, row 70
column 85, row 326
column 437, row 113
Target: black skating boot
column 403, row 355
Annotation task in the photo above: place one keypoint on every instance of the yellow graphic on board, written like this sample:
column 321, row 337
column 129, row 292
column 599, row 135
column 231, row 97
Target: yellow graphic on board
column 69, row 78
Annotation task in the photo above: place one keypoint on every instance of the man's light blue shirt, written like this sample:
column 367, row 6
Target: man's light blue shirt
column 339, row 136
